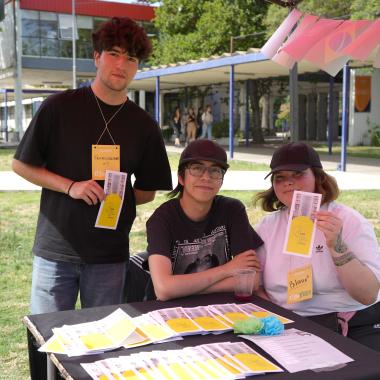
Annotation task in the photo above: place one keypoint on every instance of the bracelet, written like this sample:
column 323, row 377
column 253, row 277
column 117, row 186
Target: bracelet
column 68, row 190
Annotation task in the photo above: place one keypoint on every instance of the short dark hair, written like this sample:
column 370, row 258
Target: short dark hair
column 325, row 184
column 124, row 33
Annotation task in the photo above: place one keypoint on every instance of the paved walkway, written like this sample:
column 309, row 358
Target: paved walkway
column 361, row 174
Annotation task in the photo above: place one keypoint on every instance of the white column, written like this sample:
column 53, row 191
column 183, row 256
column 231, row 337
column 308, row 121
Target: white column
column 131, row 95
column 142, row 99
column 242, row 108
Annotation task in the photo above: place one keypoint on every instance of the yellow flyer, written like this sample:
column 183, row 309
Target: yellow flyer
column 300, row 284
column 110, row 208
column 301, row 227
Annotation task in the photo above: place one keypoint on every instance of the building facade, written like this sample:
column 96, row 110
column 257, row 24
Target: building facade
column 42, row 31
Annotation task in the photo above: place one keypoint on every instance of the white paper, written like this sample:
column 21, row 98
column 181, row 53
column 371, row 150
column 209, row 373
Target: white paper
column 299, row 351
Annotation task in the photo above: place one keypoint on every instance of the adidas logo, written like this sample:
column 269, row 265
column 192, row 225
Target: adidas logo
column 319, row 248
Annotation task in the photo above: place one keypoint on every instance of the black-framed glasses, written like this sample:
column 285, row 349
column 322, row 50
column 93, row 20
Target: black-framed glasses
column 214, row 172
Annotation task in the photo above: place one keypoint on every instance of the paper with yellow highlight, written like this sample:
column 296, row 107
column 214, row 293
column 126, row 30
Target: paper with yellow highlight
column 91, row 337
column 230, row 312
column 206, row 319
column 301, row 227
column 259, row 312
column 177, row 320
column 110, row 208
column 248, row 358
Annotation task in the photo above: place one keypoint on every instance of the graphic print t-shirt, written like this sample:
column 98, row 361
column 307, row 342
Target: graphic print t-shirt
column 197, row 246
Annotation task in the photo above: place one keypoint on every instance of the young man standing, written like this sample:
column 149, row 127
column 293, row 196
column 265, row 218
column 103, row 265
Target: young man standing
column 198, row 239
column 59, row 153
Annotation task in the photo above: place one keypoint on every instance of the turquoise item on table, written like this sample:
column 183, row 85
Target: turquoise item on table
column 272, row 326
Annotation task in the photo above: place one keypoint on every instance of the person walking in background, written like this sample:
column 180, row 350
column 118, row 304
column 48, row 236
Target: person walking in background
column 191, row 125
column 197, row 239
column 199, row 122
column 344, row 267
column 177, row 126
column 59, row 153
column 207, row 120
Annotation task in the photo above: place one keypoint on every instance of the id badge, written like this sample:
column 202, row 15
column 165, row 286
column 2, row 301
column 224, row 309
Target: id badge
column 300, row 284
column 105, row 157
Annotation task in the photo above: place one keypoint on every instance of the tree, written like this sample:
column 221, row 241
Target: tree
column 191, row 29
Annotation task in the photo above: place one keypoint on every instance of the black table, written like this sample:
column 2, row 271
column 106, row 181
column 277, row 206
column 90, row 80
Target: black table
column 366, row 364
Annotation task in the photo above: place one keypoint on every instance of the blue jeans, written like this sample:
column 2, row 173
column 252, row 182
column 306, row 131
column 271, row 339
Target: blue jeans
column 206, row 129
column 56, row 284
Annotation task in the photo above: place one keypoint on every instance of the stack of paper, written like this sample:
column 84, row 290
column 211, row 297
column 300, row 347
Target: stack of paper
column 119, row 329
column 223, row 361
column 92, row 337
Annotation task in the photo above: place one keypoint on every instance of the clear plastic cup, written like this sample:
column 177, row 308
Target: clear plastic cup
column 244, row 280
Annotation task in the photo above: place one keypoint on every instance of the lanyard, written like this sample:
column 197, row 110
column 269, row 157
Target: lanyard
column 106, row 123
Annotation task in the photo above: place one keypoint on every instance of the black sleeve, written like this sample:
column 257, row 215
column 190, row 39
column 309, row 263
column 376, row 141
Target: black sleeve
column 158, row 236
column 33, row 148
column 242, row 235
column 153, row 172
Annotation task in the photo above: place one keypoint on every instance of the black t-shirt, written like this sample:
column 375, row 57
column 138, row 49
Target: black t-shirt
column 59, row 138
column 197, row 246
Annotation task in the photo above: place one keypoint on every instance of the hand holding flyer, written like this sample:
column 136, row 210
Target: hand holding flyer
column 110, row 208
column 301, row 225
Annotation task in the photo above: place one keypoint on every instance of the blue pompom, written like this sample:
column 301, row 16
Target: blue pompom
column 272, row 326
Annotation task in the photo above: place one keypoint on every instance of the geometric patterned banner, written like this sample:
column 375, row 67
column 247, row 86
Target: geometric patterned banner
column 327, row 44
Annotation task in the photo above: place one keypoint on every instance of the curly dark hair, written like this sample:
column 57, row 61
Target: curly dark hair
column 124, row 33
column 325, row 184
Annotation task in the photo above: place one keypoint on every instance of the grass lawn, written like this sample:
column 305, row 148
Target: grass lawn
column 353, row 151
column 6, row 156
column 18, row 215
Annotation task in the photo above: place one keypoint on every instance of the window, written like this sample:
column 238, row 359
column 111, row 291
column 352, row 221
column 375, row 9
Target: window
column 31, row 46
column 30, row 24
column 48, row 25
column 66, row 27
column 84, row 42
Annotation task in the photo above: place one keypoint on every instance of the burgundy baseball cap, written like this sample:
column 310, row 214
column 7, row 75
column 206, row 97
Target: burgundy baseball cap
column 296, row 156
column 204, row 150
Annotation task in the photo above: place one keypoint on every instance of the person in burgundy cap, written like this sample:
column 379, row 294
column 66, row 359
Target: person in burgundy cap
column 198, row 238
column 345, row 261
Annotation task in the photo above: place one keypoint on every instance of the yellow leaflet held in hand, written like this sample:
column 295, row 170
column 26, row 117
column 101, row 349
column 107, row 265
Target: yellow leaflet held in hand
column 301, row 224
column 300, row 284
column 110, row 208
column 109, row 212
column 105, row 157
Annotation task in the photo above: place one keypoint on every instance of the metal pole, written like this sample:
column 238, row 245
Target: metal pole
column 157, row 100
column 345, row 116
column 293, row 89
column 18, row 69
column 331, row 113
column 6, row 114
column 247, row 114
column 231, row 111
column 74, row 45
